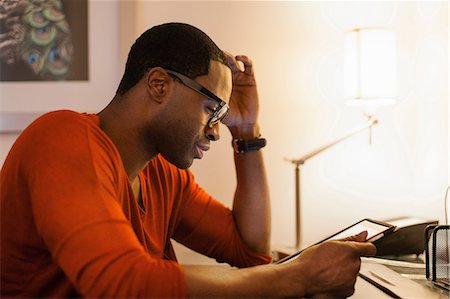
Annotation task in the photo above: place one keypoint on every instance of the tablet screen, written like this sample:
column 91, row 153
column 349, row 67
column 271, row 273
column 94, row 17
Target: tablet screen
column 374, row 230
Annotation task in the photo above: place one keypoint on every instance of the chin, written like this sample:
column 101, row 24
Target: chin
column 180, row 163
column 184, row 164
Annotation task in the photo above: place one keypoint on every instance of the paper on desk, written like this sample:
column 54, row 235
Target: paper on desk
column 401, row 286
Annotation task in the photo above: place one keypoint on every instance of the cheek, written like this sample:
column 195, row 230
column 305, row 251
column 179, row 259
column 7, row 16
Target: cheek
column 196, row 120
column 184, row 125
column 182, row 134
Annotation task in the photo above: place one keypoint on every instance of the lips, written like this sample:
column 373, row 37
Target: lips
column 200, row 150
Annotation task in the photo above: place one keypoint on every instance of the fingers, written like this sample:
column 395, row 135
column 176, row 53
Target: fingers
column 240, row 63
column 248, row 64
column 365, row 248
column 361, row 237
column 322, row 296
column 333, row 295
column 232, row 62
column 354, row 248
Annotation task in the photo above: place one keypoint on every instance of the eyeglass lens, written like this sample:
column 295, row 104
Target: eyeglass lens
column 218, row 115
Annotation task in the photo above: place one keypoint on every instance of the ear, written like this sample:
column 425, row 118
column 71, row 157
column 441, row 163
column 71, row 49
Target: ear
column 158, row 84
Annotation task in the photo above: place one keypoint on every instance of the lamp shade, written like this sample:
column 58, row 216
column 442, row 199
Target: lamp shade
column 370, row 67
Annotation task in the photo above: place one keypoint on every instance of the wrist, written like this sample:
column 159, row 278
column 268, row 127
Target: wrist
column 249, row 131
column 248, row 145
column 293, row 283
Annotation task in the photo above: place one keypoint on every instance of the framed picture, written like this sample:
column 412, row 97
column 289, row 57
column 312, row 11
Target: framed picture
column 86, row 84
column 44, row 41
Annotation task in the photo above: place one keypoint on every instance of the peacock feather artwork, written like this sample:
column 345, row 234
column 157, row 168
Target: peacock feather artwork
column 35, row 40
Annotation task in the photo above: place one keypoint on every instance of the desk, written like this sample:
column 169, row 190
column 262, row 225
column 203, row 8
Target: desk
column 411, row 268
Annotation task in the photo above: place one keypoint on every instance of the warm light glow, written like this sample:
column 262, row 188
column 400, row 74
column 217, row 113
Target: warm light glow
column 370, row 65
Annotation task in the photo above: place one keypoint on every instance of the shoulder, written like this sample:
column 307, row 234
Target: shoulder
column 64, row 124
column 55, row 130
column 58, row 119
column 64, row 133
column 55, row 124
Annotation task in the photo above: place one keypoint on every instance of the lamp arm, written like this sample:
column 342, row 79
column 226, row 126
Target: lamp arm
column 302, row 160
column 324, row 147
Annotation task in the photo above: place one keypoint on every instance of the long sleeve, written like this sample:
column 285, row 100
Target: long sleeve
column 207, row 226
column 66, row 179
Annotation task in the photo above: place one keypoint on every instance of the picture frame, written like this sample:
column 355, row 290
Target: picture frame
column 23, row 101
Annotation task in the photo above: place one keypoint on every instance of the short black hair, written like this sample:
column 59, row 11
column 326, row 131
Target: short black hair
column 175, row 46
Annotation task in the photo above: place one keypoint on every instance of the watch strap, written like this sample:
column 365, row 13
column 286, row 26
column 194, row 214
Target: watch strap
column 248, row 145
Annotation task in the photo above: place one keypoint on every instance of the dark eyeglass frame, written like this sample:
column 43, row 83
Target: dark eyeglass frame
column 221, row 110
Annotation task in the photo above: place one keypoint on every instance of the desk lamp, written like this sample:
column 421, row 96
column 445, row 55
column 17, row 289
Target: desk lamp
column 370, row 82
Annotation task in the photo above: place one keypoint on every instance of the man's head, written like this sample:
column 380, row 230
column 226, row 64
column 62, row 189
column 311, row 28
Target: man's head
column 179, row 71
column 175, row 46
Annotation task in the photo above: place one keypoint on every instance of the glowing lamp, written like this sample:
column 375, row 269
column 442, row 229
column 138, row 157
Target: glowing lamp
column 370, row 67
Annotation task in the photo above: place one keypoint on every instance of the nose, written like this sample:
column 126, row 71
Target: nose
column 213, row 134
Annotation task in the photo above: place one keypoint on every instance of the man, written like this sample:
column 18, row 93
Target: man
column 89, row 203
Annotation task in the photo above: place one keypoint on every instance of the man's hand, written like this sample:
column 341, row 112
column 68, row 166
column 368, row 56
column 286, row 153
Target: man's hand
column 244, row 102
column 331, row 268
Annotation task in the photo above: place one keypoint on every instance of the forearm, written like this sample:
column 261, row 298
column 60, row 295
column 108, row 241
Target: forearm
column 224, row 282
column 329, row 269
column 251, row 207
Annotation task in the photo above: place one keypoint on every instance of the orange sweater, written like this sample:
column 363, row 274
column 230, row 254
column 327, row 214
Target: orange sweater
column 70, row 225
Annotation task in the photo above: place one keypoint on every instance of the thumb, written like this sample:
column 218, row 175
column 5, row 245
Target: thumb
column 361, row 237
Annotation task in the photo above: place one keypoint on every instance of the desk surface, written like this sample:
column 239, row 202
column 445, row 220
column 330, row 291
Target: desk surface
column 365, row 290
column 414, row 286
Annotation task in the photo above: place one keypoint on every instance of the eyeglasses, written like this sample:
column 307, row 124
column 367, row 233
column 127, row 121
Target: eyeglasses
column 221, row 110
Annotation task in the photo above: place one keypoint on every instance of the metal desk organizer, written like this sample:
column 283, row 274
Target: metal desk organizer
column 437, row 255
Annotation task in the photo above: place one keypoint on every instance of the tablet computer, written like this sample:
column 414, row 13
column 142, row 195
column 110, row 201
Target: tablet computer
column 375, row 230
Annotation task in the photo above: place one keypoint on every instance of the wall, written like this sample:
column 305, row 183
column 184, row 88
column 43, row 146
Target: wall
column 296, row 47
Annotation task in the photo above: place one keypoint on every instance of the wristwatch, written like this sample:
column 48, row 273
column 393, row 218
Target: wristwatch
column 248, row 145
